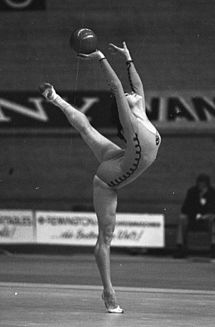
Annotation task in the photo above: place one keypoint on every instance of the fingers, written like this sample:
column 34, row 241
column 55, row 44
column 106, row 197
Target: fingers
column 87, row 56
column 96, row 55
column 82, row 56
column 119, row 49
column 113, row 48
column 125, row 45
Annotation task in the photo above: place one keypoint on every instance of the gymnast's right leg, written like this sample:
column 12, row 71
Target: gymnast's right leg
column 102, row 148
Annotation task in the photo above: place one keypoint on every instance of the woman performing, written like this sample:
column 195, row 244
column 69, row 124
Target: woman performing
column 117, row 167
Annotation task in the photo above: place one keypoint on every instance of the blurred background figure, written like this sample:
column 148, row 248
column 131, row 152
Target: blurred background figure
column 197, row 213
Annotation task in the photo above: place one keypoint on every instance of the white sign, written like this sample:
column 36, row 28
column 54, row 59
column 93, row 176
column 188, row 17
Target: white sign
column 80, row 228
column 16, row 226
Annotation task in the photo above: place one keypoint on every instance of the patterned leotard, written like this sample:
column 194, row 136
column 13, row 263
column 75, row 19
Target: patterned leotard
column 143, row 141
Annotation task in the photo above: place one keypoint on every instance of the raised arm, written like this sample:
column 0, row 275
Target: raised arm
column 111, row 77
column 134, row 78
column 115, row 84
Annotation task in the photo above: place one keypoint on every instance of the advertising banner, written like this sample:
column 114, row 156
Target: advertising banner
column 80, row 228
column 16, row 226
column 190, row 110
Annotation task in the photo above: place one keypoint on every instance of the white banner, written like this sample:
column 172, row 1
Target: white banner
column 80, row 228
column 16, row 226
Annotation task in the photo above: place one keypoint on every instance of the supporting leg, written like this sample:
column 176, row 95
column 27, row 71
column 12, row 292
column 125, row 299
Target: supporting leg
column 105, row 203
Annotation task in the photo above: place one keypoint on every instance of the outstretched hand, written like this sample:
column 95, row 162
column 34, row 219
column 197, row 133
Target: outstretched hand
column 96, row 55
column 121, row 50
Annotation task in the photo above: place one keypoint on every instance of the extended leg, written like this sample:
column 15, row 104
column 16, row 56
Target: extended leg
column 105, row 203
column 102, row 148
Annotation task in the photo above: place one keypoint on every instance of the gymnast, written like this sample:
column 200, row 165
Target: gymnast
column 118, row 166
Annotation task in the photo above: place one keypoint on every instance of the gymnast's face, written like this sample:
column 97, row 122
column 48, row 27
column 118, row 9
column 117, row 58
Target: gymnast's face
column 134, row 100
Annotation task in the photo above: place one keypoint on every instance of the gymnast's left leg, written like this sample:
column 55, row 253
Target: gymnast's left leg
column 102, row 148
column 105, row 204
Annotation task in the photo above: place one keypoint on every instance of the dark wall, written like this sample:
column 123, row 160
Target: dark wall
column 172, row 42
column 56, row 172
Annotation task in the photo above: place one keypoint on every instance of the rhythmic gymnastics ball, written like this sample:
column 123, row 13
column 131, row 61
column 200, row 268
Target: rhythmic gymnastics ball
column 83, row 40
